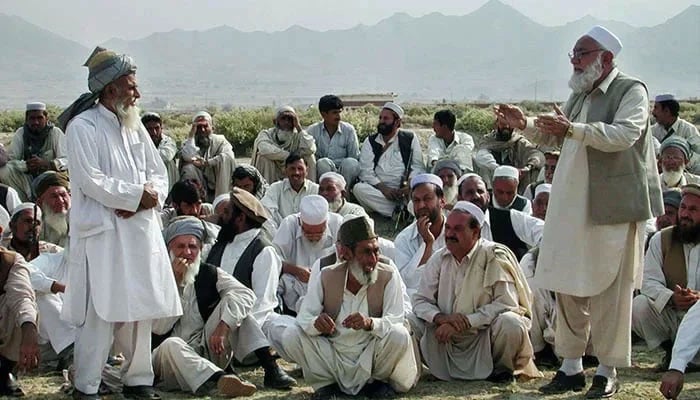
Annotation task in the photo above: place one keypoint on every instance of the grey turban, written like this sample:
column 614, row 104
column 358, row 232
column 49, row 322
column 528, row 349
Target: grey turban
column 184, row 225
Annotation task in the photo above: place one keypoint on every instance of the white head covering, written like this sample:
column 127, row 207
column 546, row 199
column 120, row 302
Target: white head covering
column 467, row 176
column 201, row 114
column 506, row 171
column 4, row 220
column 664, row 97
column 336, row 177
column 395, row 108
column 283, row 109
column 26, row 206
column 220, row 198
column 426, row 178
column 36, row 106
column 606, row 39
column 543, row 188
column 472, row 209
column 313, row 209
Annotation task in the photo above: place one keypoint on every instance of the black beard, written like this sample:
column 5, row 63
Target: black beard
column 228, row 232
column 202, row 141
column 504, row 135
column 686, row 234
column 385, row 129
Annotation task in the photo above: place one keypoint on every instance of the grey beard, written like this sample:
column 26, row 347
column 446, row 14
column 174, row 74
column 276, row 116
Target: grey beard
column 128, row 116
column 451, row 193
column 334, row 206
column 671, row 177
column 58, row 222
column 364, row 278
column 583, row 82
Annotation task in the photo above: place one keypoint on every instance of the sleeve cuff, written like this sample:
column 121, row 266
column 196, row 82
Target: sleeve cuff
column 678, row 365
column 477, row 320
column 662, row 300
column 579, row 131
column 26, row 317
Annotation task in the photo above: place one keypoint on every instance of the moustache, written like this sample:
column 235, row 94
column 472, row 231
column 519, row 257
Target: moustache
column 451, row 239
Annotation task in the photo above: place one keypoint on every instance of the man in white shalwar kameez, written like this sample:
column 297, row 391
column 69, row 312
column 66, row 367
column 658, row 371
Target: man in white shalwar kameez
column 301, row 239
column 474, row 303
column 604, row 189
column 685, row 350
column 349, row 336
column 119, row 276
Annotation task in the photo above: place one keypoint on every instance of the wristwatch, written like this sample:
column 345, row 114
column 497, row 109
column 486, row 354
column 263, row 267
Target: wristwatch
column 570, row 130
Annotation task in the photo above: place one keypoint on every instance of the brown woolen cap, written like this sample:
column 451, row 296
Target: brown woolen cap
column 249, row 204
column 355, row 230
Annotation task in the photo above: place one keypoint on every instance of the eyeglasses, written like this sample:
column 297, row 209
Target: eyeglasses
column 578, row 54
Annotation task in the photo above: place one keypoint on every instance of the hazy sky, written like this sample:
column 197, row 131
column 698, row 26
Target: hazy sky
column 90, row 22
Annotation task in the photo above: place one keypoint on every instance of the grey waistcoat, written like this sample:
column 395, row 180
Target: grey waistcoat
column 622, row 188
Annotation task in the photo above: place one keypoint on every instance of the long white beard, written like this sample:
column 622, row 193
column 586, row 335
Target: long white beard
column 451, row 193
column 129, row 116
column 192, row 269
column 334, row 205
column 56, row 221
column 671, row 178
column 583, row 81
column 364, row 278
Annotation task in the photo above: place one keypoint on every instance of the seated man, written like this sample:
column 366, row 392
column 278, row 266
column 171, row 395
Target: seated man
column 25, row 226
column 671, row 279
column 448, row 144
column 185, row 201
column 246, row 177
column 388, row 160
column 9, row 198
column 672, row 201
column 669, row 124
column 332, row 187
column 207, row 157
column 675, row 156
column 167, row 148
column 52, row 193
column 219, row 206
column 337, row 147
column 418, row 241
column 19, row 339
column 37, row 146
column 273, row 146
column 350, row 328
column 685, row 350
column 551, row 158
column 282, row 198
column 475, row 303
column 194, row 349
column 301, row 239
column 448, row 171
column 541, row 200
column 505, row 190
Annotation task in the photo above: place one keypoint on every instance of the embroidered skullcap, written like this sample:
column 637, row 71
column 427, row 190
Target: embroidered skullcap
column 313, row 209
column 395, row 108
column 335, row 177
column 426, row 178
column 543, row 188
column 36, row 106
column 472, row 209
column 26, row 206
column 184, row 225
column 220, row 199
column 677, row 142
column 249, row 205
column 506, row 171
column 606, row 39
column 355, row 230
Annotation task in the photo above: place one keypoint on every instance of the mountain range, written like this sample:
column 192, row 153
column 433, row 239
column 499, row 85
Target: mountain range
column 492, row 54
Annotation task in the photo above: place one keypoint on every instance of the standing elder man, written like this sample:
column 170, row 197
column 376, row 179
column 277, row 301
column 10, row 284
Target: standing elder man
column 605, row 187
column 119, row 278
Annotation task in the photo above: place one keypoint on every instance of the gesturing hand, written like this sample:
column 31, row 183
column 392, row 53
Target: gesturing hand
column 325, row 324
column 357, row 321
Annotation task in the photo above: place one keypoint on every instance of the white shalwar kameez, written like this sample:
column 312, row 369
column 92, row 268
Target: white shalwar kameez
column 119, row 273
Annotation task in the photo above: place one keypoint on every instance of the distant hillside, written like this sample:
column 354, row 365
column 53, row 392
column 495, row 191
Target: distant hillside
column 495, row 53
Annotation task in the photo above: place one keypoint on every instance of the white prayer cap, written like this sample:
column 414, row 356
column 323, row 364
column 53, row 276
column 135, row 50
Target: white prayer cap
column 36, row 106
column 335, row 177
column 201, row 114
column 219, row 199
column 543, row 188
column 506, row 171
column 467, row 176
column 283, row 109
column 426, row 178
column 472, row 209
column 395, row 108
column 665, row 97
column 348, row 217
column 25, row 206
column 313, row 209
column 606, row 39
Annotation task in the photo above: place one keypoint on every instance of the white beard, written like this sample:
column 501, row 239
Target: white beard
column 364, row 278
column 129, row 116
column 671, row 178
column 335, row 204
column 192, row 269
column 583, row 81
column 56, row 221
column 451, row 193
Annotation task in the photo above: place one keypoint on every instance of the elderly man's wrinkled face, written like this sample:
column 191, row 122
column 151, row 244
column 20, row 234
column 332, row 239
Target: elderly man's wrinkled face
column 55, row 199
column 363, row 261
column 126, row 95
column 185, row 246
column 285, row 121
column 504, row 190
column 36, row 120
column 587, row 62
column 474, row 190
column 23, row 229
column 673, row 159
column 330, row 190
column 448, row 176
column 313, row 233
column 550, row 165
column 668, row 218
column 296, row 173
column 459, row 237
column 426, row 203
column 539, row 205
column 689, row 219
